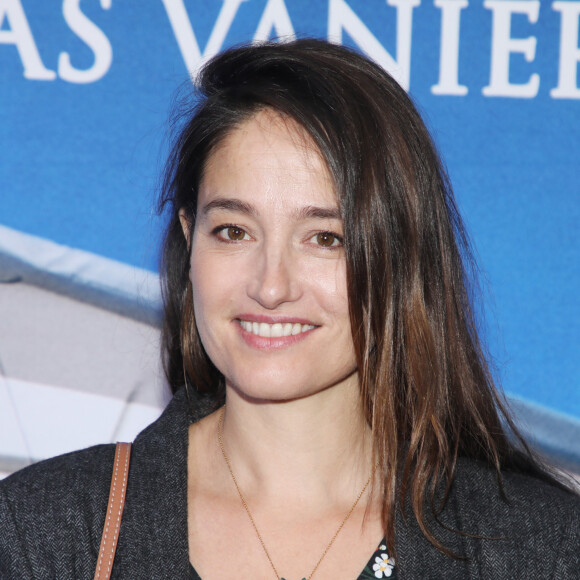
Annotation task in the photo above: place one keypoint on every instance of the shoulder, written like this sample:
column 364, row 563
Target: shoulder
column 525, row 520
column 64, row 476
column 516, row 493
column 57, row 505
column 52, row 513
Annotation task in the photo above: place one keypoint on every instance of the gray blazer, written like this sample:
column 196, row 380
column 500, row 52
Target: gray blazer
column 52, row 516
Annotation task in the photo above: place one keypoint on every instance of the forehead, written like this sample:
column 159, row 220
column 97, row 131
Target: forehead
column 268, row 157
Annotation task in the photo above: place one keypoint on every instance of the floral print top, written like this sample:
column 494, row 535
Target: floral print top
column 379, row 566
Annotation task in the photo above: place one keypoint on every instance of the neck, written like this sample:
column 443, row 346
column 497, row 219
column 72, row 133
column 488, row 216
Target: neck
column 313, row 449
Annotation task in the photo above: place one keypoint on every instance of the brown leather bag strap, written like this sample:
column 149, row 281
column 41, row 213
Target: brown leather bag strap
column 114, row 512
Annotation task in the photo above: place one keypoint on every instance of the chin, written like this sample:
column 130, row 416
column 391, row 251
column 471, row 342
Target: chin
column 277, row 389
column 270, row 394
column 262, row 390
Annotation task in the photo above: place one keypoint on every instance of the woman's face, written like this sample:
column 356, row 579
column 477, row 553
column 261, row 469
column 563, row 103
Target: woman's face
column 268, row 267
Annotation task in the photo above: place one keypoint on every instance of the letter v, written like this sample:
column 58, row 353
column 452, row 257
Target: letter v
column 185, row 36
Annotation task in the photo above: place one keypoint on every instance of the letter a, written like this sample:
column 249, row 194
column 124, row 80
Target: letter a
column 275, row 16
column 341, row 17
column 185, row 36
column 20, row 35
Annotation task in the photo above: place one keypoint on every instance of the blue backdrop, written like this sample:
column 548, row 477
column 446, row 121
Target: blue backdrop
column 86, row 91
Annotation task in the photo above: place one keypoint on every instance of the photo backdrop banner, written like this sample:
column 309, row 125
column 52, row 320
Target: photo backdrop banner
column 87, row 89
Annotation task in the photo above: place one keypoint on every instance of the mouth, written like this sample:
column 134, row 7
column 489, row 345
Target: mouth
column 276, row 330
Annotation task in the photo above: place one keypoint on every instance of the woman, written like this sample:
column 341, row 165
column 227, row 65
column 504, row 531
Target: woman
column 315, row 282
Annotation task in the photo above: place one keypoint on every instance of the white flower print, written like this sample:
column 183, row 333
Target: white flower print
column 383, row 566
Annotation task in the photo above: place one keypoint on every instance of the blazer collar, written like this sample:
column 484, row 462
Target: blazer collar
column 154, row 537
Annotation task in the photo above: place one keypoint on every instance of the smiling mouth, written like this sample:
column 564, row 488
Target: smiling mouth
column 278, row 329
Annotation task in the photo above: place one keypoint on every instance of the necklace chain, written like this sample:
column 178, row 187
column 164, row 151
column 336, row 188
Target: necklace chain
column 245, row 504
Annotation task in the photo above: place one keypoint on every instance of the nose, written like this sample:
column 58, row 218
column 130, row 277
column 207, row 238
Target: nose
column 275, row 278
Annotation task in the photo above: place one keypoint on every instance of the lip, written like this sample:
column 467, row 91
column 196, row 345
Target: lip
column 272, row 343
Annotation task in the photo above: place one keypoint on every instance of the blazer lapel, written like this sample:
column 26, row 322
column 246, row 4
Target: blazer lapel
column 154, row 537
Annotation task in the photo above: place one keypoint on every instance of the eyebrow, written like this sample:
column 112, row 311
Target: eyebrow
column 237, row 205
column 312, row 211
column 229, row 204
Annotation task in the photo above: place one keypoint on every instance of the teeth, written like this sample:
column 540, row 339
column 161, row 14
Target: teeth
column 275, row 330
column 265, row 330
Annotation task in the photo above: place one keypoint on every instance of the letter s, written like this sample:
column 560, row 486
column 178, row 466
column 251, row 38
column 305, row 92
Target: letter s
column 93, row 37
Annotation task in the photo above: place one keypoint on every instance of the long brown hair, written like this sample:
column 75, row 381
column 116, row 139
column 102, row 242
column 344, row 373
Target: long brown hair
column 427, row 390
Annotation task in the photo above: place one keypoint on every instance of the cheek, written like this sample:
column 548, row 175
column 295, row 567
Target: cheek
column 329, row 284
column 203, row 280
column 214, row 286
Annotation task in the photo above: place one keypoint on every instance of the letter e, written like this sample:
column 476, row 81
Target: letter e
column 503, row 45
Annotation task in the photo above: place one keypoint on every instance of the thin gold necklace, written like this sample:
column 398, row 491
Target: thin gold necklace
column 244, row 503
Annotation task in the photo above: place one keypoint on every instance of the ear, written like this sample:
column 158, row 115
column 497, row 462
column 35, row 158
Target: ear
column 184, row 225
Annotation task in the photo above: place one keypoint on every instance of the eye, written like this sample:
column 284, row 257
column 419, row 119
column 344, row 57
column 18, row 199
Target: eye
column 328, row 240
column 231, row 233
